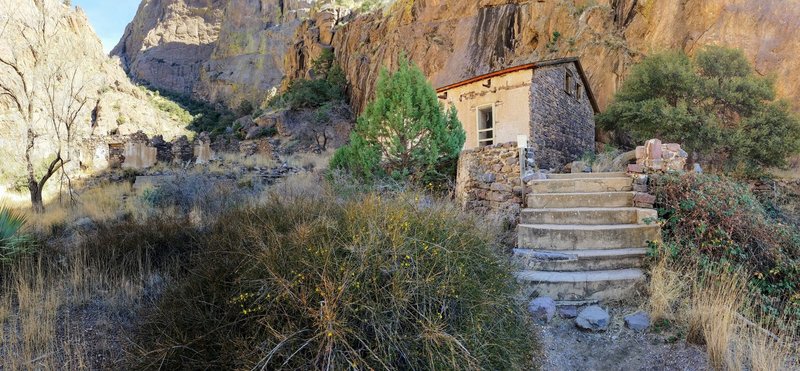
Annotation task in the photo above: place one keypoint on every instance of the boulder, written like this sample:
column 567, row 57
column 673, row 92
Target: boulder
column 542, row 309
column 638, row 321
column 593, row 319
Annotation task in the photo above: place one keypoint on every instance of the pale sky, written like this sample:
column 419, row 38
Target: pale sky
column 109, row 18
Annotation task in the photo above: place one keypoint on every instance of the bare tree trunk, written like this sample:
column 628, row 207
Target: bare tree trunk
column 33, row 186
column 37, row 204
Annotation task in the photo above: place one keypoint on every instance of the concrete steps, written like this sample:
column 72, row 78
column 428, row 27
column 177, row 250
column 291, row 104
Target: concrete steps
column 579, row 260
column 581, row 238
column 580, row 199
column 573, row 185
column 588, row 215
column 587, row 175
column 590, row 285
column 586, row 237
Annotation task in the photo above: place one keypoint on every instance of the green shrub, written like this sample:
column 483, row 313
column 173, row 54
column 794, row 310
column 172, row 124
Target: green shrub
column 404, row 133
column 245, row 108
column 316, row 283
column 199, row 116
column 13, row 241
column 329, row 85
column 714, row 104
column 717, row 224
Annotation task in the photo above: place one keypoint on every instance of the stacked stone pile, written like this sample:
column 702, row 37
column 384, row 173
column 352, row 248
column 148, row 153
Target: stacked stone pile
column 655, row 156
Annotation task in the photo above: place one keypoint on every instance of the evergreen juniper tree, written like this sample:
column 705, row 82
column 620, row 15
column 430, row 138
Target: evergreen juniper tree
column 713, row 104
column 405, row 132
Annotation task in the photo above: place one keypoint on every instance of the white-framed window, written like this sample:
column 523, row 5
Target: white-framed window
column 485, row 116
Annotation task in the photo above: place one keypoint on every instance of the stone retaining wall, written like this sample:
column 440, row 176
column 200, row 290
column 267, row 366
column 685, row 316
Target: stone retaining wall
column 488, row 180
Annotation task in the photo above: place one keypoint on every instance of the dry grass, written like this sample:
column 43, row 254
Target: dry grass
column 712, row 315
column 46, row 306
column 258, row 160
column 666, row 289
column 101, row 203
column 310, row 160
column 708, row 310
column 31, row 298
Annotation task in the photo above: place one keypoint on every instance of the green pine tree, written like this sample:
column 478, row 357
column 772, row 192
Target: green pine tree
column 404, row 133
column 713, row 104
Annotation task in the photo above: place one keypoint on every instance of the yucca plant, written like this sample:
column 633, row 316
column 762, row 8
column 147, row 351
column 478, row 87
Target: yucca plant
column 13, row 242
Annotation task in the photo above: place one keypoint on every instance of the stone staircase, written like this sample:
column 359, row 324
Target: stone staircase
column 581, row 238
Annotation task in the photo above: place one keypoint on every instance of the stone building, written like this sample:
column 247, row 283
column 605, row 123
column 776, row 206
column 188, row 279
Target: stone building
column 550, row 102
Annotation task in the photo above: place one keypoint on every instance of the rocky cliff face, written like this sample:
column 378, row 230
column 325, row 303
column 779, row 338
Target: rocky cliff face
column 72, row 54
column 454, row 40
column 263, row 43
column 219, row 51
column 169, row 40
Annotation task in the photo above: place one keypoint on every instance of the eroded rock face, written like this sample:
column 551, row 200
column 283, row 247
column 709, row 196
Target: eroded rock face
column 248, row 57
column 168, row 42
column 454, row 40
column 259, row 45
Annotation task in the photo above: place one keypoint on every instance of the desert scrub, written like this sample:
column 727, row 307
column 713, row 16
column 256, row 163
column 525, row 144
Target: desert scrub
column 717, row 224
column 321, row 283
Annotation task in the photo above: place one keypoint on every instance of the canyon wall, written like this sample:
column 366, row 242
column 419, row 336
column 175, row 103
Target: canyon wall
column 261, row 44
column 65, row 60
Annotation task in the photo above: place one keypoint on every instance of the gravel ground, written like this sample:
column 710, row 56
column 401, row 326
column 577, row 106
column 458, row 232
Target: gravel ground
column 566, row 347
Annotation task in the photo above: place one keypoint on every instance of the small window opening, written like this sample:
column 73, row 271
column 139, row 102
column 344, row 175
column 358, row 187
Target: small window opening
column 578, row 91
column 485, row 126
column 569, row 83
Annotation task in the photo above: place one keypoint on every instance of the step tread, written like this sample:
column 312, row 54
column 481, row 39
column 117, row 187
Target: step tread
column 586, row 175
column 620, row 209
column 589, row 227
column 587, row 254
column 566, row 180
column 586, row 276
column 614, row 193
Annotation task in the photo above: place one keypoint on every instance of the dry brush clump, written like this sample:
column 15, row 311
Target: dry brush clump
column 711, row 308
column 320, row 283
column 717, row 224
column 96, row 279
column 726, row 275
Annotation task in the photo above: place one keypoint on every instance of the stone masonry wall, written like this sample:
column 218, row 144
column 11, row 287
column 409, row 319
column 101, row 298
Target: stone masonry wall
column 562, row 126
column 488, row 180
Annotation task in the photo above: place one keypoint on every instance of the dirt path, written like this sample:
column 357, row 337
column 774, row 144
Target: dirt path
column 619, row 348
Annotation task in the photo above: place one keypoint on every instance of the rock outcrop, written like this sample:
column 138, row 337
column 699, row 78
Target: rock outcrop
column 263, row 44
column 169, row 41
column 72, row 55
column 454, row 40
column 216, row 51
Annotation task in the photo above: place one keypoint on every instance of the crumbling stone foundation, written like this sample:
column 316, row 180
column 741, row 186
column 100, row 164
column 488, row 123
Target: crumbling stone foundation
column 488, row 180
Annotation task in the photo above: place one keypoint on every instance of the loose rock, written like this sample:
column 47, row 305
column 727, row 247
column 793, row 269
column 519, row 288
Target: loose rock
column 542, row 308
column 593, row 319
column 568, row 311
column 638, row 321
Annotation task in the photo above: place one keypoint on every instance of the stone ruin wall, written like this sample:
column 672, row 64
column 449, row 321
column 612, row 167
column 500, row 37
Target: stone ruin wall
column 488, row 180
column 138, row 151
